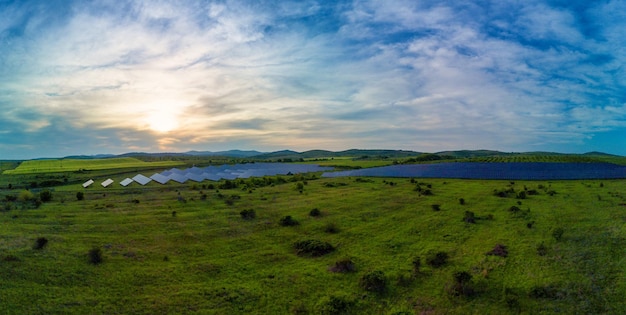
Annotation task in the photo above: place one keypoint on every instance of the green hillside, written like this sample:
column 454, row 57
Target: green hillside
column 349, row 246
column 73, row 165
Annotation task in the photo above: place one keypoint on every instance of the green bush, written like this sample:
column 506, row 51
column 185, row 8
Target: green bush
column 312, row 248
column 331, row 228
column 436, row 207
column 343, row 265
column 334, row 305
column 315, row 212
column 557, row 233
column 40, row 243
column 417, row 264
column 248, row 214
column 374, row 281
column 461, row 285
column 80, row 195
column 45, row 196
column 469, row 217
column 288, row 221
column 438, row 259
column 499, row 250
column 542, row 249
column 95, row 256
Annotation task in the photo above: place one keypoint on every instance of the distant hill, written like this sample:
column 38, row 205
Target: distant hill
column 414, row 156
column 354, row 153
column 230, row 153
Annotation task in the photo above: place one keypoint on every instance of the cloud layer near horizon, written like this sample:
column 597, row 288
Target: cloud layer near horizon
column 98, row 76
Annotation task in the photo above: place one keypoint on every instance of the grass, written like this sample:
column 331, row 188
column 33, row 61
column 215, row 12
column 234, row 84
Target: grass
column 74, row 165
column 207, row 259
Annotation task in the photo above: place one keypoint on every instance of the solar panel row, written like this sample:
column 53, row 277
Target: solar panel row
column 216, row 173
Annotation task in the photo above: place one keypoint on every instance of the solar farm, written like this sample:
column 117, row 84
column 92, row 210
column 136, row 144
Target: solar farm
column 215, row 173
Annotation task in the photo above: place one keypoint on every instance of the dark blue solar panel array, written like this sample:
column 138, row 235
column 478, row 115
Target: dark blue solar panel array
column 519, row 171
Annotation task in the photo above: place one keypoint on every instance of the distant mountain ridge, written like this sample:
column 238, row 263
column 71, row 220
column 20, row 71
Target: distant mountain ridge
column 353, row 153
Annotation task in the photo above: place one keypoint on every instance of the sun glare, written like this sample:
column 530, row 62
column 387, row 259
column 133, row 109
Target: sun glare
column 162, row 122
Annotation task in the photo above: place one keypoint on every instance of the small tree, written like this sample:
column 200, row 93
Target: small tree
column 80, row 195
column 40, row 243
column 315, row 212
column 374, row 281
column 417, row 263
column 288, row 221
column 95, row 255
column 437, row 260
column 248, row 214
column 45, row 195
column 557, row 233
column 462, row 284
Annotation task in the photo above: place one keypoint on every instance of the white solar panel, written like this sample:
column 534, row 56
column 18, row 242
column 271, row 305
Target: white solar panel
column 87, row 183
column 126, row 182
column 142, row 180
column 107, row 182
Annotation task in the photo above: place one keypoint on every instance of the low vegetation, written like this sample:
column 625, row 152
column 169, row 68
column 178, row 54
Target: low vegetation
column 373, row 248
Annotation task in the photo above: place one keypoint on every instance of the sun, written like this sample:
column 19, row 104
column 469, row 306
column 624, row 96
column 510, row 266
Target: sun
column 162, row 121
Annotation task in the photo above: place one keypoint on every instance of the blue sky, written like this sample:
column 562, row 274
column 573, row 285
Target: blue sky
column 89, row 77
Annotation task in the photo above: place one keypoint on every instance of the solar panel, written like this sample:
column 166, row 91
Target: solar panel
column 126, row 182
column 178, row 178
column 142, row 180
column 160, row 178
column 195, row 177
column 107, row 182
column 87, row 183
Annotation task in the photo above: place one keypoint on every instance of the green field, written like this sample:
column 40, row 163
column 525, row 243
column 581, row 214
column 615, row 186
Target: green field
column 73, row 165
column 187, row 249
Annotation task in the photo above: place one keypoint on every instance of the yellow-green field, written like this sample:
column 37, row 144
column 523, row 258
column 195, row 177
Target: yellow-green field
column 186, row 249
column 73, row 165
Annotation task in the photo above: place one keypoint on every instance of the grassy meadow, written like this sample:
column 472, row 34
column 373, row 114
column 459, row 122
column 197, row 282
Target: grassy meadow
column 229, row 248
column 74, row 165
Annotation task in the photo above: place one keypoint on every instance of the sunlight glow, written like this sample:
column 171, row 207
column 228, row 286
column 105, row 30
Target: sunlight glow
column 162, row 121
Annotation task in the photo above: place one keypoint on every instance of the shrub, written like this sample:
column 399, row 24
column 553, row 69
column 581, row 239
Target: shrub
column 315, row 212
column 80, row 195
column 331, row 228
column 45, row 196
column 288, row 221
column 499, row 250
column 343, row 265
column 521, row 195
column 461, row 201
column 557, row 233
column 25, row 195
column 542, row 249
column 436, row 207
column 40, row 243
column 461, row 285
column 248, row 214
column 514, row 209
column 437, row 260
column 374, row 281
column 312, row 248
column 9, row 258
column 469, row 217
column 544, row 292
column 417, row 264
column 95, row 255
column 334, row 305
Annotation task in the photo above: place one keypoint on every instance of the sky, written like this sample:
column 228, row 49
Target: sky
column 92, row 77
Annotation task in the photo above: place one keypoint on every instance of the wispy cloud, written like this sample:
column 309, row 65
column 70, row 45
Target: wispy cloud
column 263, row 75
